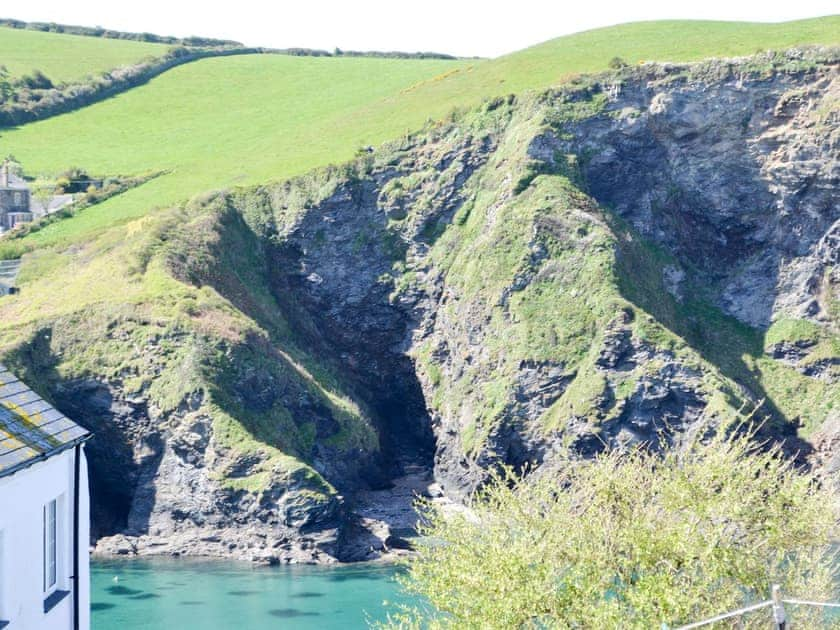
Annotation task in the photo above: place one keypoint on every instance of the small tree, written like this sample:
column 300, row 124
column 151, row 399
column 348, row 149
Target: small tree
column 43, row 194
column 629, row 540
column 617, row 63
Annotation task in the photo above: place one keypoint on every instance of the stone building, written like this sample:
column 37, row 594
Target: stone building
column 14, row 199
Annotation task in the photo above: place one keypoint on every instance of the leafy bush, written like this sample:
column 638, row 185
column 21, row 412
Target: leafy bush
column 617, row 63
column 629, row 540
column 35, row 81
column 73, row 180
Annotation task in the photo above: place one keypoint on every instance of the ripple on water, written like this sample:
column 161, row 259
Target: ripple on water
column 348, row 578
column 145, row 596
column 122, row 590
column 288, row 613
column 308, row 594
column 242, row 593
column 191, row 602
column 94, row 606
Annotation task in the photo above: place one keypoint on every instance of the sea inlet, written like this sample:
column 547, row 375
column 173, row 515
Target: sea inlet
column 176, row 594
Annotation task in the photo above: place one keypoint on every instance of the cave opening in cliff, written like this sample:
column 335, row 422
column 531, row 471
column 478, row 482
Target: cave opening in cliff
column 110, row 505
column 403, row 424
column 362, row 342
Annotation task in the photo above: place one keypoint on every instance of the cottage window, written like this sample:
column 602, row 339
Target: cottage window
column 18, row 198
column 50, row 551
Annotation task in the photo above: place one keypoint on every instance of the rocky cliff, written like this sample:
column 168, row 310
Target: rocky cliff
column 631, row 258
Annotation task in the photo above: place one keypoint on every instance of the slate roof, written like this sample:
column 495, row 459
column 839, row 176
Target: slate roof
column 31, row 430
column 16, row 183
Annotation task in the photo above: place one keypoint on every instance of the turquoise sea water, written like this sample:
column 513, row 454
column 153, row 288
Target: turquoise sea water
column 175, row 594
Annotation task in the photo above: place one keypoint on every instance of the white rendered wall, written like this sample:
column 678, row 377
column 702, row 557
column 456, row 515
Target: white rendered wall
column 22, row 499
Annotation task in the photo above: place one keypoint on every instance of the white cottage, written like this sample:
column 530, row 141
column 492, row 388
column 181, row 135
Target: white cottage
column 44, row 514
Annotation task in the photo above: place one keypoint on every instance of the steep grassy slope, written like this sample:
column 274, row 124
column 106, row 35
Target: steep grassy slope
column 556, row 60
column 67, row 58
column 224, row 122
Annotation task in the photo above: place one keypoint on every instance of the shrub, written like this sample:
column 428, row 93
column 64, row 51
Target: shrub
column 6, row 88
column 35, row 81
column 617, row 63
column 629, row 540
column 73, row 180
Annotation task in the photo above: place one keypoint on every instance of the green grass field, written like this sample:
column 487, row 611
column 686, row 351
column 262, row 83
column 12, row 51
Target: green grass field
column 222, row 122
column 66, row 58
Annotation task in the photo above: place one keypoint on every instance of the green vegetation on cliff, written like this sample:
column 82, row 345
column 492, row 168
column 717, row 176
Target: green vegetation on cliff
column 556, row 61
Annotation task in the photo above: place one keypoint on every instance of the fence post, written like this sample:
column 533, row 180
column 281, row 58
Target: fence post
column 779, row 620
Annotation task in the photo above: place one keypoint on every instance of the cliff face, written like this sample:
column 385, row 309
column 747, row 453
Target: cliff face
column 736, row 179
column 633, row 258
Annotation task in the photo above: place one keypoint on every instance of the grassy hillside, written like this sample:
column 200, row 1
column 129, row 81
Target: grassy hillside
column 68, row 57
column 230, row 121
column 222, row 122
column 591, row 51
column 554, row 61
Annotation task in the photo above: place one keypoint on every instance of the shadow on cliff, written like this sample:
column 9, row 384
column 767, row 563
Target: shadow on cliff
column 112, row 469
column 262, row 279
column 701, row 233
column 721, row 339
column 349, row 322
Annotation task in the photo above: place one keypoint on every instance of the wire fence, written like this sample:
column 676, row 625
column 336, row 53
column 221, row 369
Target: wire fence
column 724, row 616
column 775, row 603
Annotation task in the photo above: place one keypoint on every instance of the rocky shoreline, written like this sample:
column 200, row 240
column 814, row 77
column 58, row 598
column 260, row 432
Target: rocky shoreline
column 379, row 527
